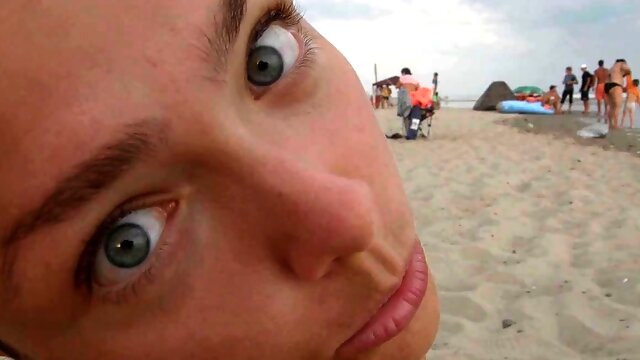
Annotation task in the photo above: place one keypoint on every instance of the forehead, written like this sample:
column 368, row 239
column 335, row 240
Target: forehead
column 50, row 46
column 70, row 72
column 53, row 54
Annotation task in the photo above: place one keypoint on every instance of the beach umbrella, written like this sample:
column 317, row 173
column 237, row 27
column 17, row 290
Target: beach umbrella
column 528, row 90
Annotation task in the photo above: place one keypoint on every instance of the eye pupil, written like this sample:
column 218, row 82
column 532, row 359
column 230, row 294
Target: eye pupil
column 263, row 65
column 127, row 246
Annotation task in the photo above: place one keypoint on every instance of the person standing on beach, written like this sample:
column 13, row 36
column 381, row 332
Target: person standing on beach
column 435, row 82
column 569, row 81
column 406, row 84
column 587, row 84
column 615, row 90
column 386, row 95
column 378, row 96
column 602, row 76
column 633, row 98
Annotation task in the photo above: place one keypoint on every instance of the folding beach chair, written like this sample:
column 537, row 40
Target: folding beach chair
column 422, row 111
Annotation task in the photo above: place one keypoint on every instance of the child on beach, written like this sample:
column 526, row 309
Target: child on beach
column 633, row 98
column 164, row 194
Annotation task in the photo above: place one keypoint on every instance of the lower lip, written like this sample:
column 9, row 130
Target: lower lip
column 396, row 314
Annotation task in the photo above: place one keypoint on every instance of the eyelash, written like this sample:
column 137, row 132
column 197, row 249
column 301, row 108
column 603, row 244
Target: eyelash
column 85, row 270
column 290, row 16
column 284, row 12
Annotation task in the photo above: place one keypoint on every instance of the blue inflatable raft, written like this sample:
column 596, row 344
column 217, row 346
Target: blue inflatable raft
column 523, row 107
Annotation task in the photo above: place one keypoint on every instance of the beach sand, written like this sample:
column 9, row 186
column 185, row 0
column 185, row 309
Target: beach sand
column 567, row 126
column 535, row 231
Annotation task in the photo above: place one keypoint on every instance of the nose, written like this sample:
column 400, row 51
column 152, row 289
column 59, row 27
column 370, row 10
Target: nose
column 317, row 218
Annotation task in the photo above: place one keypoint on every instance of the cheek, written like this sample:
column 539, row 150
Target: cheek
column 347, row 122
column 354, row 145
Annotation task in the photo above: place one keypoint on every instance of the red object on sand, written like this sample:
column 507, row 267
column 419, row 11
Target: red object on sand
column 422, row 97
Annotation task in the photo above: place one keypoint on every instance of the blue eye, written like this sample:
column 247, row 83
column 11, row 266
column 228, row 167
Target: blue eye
column 127, row 246
column 273, row 55
column 266, row 66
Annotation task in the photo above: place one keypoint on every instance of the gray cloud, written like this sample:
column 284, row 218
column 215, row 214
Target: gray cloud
column 555, row 35
column 537, row 40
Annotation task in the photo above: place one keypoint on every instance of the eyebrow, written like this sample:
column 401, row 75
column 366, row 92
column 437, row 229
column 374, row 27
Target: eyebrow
column 85, row 182
column 226, row 27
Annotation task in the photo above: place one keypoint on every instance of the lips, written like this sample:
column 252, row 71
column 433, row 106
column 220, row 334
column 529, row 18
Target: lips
column 396, row 313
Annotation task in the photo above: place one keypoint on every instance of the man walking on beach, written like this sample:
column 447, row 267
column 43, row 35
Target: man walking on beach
column 614, row 90
column 569, row 81
column 602, row 76
column 585, row 88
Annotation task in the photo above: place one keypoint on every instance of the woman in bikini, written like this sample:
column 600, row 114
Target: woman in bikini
column 165, row 194
column 551, row 100
column 615, row 90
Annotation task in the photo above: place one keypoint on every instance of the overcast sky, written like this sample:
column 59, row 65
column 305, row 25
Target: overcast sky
column 473, row 42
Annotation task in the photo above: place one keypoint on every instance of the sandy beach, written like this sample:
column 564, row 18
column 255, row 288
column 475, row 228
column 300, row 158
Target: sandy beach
column 534, row 238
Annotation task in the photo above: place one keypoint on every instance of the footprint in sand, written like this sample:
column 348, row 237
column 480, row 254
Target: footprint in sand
column 582, row 261
column 451, row 325
column 621, row 283
column 529, row 247
column 504, row 278
column 452, row 276
column 462, row 306
column 512, row 345
column 574, row 334
column 477, row 254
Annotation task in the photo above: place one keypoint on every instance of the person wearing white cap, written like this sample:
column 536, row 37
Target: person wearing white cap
column 587, row 84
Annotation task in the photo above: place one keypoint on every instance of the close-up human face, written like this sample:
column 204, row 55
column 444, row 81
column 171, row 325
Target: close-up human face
column 202, row 180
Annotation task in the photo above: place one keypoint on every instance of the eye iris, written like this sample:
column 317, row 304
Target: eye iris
column 265, row 66
column 127, row 246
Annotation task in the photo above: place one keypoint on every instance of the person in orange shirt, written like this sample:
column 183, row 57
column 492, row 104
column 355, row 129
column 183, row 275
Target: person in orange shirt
column 633, row 97
column 602, row 76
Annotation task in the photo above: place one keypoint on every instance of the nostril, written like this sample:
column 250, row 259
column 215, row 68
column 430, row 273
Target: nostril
column 332, row 223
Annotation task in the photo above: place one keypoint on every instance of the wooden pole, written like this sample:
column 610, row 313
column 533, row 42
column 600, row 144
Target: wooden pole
column 373, row 87
column 375, row 71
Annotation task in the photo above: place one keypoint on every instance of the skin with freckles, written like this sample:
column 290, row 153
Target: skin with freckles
column 177, row 182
